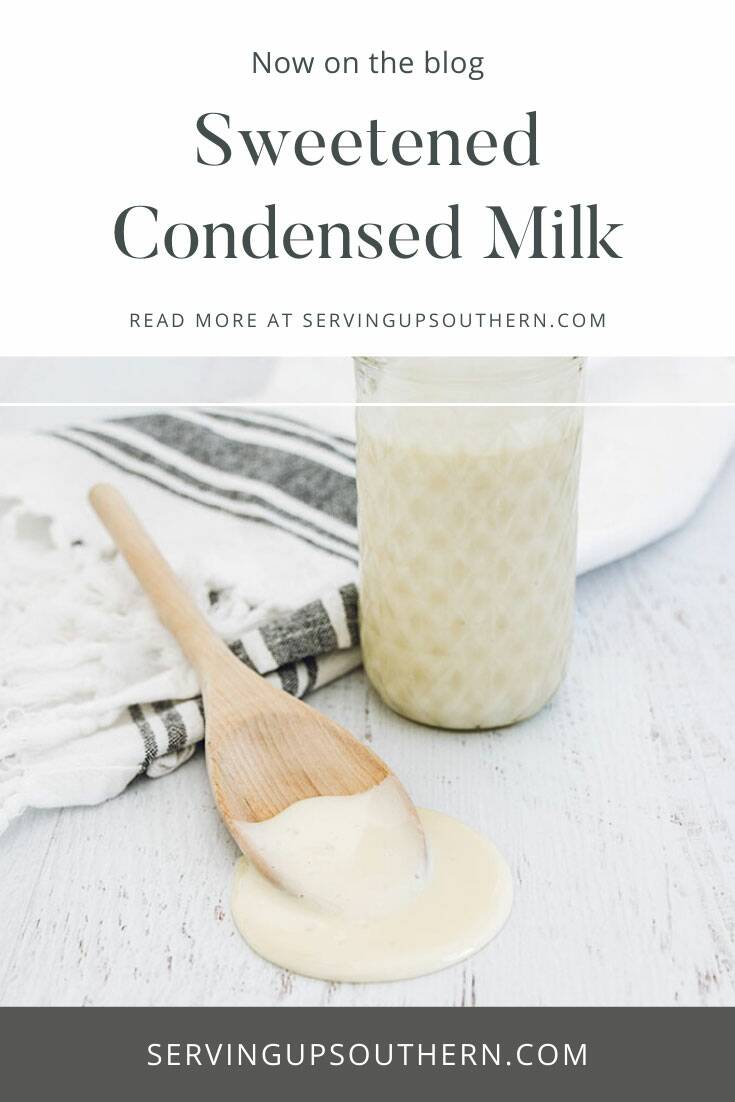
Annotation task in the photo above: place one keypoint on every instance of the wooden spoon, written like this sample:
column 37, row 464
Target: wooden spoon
column 265, row 750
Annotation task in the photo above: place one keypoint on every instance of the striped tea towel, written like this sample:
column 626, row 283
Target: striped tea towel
column 256, row 511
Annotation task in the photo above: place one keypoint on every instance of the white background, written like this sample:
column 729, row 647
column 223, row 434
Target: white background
column 633, row 102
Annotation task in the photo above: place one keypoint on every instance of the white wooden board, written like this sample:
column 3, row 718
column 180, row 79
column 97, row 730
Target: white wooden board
column 615, row 808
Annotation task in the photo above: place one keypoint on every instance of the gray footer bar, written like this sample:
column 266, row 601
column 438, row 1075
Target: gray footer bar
column 519, row 1053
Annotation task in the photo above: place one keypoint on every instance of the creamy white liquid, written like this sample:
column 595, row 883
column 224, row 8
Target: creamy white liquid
column 314, row 848
column 369, row 907
column 467, row 521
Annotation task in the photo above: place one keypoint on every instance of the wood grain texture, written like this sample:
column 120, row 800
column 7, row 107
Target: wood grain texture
column 265, row 750
column 615, row 808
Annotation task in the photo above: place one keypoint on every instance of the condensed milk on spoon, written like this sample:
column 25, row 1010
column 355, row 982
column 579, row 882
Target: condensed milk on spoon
column 342, row 877
column 364, row 910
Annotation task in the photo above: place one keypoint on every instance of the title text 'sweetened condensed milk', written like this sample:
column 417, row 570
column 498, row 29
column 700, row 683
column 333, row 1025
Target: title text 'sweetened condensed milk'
column 468, row 526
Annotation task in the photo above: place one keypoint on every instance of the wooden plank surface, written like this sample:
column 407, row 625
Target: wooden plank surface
column 615, row 807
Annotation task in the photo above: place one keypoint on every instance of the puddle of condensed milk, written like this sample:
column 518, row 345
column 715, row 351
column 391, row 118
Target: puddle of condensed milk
column 368, row 905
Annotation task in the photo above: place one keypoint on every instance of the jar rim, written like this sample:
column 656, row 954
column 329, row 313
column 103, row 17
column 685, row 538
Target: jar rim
column 479, row 369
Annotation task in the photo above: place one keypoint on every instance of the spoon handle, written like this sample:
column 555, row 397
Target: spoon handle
column 175, row 607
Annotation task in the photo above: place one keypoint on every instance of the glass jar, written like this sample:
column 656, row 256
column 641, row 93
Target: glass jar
column 467, row 514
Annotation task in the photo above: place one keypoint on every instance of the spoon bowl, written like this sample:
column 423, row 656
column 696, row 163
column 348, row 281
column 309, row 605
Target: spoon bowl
column 265, row 750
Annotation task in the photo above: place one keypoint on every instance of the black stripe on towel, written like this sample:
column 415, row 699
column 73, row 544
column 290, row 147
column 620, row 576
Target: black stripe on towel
column 240, row 496
column 288, row 427
column 270, row 411
column 174, row 724
column 289, row 679
column 312, row 672
column 307, row 631
column 348, row 593
column 313, row 483
column 150, row 749
column 351, row 556
column 299, row 423
column 240, row 653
